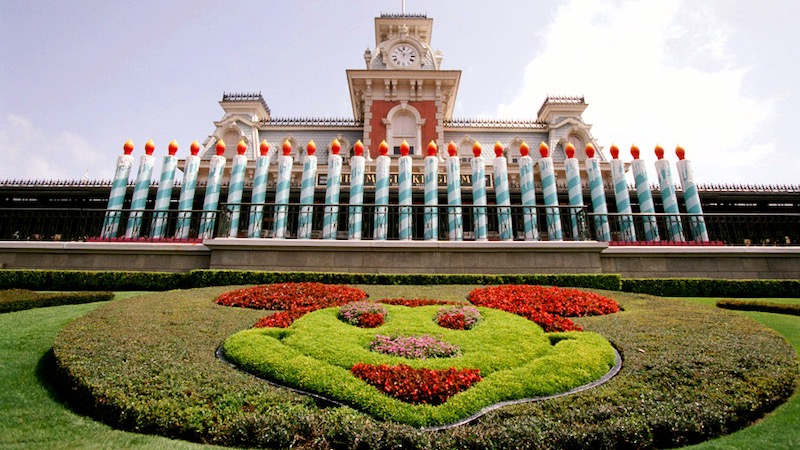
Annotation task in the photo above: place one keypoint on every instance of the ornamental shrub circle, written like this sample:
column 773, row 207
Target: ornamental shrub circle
column 363, row 314
column 549, row 307
column 458, row 317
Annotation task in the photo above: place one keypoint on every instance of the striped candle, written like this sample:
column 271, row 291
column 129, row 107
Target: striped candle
column 574, row 190
column 479, row 192
column 691, row 198
column 622, row 196
column 502, row 195
column 668, row 197
column 645, row 196
column 236, row 187
column 188, row 186
column 382, row 192
column 528, row 193
column 431, row 193
column 164, row 193
column 140, row 191
column 259, row 195
column 213, row 185
column 549, row 193
column 404, row 193
column 357, row 166
column 119, row 188
column 282, row 190
column 454, row 218
column 307, row 185
column 330, row 220
column 598, row 194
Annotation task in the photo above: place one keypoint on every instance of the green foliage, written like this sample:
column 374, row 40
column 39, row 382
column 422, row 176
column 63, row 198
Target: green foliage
column 690, row 373
column 707, row 287
column 20, row 299
column 741, row 305
column 162, row 281
column 305, row 357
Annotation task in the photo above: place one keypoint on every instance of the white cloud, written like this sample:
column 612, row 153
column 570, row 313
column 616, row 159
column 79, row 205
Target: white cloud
column 31, row 153
column 654, row 72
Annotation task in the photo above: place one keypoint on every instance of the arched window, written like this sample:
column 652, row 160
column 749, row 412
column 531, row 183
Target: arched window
column 404, row 123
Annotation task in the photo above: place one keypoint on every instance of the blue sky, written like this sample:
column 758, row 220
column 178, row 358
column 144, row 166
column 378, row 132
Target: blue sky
column 79, row 78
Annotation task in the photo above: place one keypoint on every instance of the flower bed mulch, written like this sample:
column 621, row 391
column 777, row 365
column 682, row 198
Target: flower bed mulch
column 417, row 386
column 549, row 307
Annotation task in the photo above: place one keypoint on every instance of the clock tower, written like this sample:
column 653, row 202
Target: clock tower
column 403, row 94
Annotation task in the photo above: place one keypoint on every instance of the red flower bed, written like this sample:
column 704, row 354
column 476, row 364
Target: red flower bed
column 292, row 296
column 549, row 307
column 296, row 299
column 458, row 317
column 414, row 302
column 370, row 320
column 416, row 386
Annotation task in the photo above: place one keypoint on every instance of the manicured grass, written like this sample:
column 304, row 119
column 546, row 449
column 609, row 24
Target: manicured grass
column 31, row 413
column 515, row 358
column 690, row 373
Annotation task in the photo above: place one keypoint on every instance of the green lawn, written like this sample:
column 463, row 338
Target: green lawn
column 31, row 417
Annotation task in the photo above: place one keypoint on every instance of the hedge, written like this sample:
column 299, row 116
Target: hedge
column 779, row 308
column 20, row 299
column 707, row 287
column 163, row 281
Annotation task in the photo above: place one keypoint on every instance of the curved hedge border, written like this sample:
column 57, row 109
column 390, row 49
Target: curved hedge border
column 778, row 308
column 690, row 373
column 21, row 299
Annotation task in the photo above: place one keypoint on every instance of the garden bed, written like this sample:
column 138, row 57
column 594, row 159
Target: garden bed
column 148, row 364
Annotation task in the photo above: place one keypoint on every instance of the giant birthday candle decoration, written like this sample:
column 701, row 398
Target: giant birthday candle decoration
column 668, row 197
column 528, row 192
column 645, row 196
column 236, row 187
column 164, row 193
column 140, row 191
column 259, row 195
column 431, row 193
column 404, row 192
column 690, row 197
column 307, row 192
column 479, row 192
column 502, row 195
column 574, row 190
column 382, row 192
column 119, row 188
column 188, row 186
column 330, row 222
column 357, row 165
column 598, row 194
column 454, row 219
column 549, row 193
column 213, row 185
column 622, row 196
column 282, row 190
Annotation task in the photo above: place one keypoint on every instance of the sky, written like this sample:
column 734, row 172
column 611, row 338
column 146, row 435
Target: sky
column 79, row 78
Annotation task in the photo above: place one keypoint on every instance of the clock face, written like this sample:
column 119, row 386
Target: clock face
column 403, row 55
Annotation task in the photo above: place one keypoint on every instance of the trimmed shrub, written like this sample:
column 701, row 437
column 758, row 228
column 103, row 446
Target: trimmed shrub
column 20, row 299
column 779, row 308
column 707, row 287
